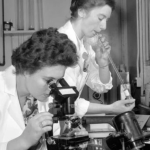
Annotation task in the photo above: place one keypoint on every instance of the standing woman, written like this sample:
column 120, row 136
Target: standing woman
column 88, row 19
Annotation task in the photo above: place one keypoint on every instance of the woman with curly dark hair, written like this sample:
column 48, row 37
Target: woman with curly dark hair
column 40, row 60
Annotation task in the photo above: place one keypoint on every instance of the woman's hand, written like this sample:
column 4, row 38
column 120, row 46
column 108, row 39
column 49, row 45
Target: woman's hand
column 123, row 106
column 36, row 127
column 102, row 49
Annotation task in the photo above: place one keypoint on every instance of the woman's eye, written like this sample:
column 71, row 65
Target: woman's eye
column 50, row 81
column 100, row 19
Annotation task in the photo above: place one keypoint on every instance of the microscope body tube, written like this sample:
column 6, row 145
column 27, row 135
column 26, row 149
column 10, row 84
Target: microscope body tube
column 132, row 130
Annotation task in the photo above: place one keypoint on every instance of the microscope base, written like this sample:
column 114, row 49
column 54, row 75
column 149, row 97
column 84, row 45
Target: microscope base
column 64, row 142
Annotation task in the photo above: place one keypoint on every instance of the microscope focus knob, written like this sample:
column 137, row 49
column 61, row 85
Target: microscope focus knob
column 50, row 141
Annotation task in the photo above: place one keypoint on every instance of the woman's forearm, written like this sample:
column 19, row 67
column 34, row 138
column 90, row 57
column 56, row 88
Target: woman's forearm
column 104, row 74
column 17, row 144
column 95, row 108
column 114, row 108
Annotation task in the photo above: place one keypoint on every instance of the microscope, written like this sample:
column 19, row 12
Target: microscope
column 62, row 109
column 127, row 136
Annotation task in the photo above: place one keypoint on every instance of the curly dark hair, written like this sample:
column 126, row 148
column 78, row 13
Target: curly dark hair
column 89, row 4
column 46, row 47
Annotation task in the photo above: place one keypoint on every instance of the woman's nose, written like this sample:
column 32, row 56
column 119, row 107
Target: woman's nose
column 103, row 25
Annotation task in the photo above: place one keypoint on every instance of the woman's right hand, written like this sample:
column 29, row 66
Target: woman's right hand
column 121, row 106
column 101, row 48
column 36, row 127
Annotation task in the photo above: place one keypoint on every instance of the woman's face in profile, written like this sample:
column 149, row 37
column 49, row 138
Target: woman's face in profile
column 37, row 84
column 96, row 20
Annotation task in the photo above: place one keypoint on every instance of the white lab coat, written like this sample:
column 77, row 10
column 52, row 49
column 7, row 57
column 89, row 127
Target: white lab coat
column 11, row 117
column 77, row 77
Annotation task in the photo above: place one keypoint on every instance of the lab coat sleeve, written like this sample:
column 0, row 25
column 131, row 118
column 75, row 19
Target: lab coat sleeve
column 93, row 80
column 81, row 107
column 3, row 107
column 3, row 146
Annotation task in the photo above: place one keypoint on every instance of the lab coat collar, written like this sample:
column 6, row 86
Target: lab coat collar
column 68, row 28
column 10, row 80
column 14, row 108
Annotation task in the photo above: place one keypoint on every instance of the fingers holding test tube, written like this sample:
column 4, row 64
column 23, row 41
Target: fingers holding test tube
column 101, row 47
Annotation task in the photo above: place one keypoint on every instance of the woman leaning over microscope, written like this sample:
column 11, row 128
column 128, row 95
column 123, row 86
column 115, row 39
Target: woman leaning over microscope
column 88, row 19
column 36, row 63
